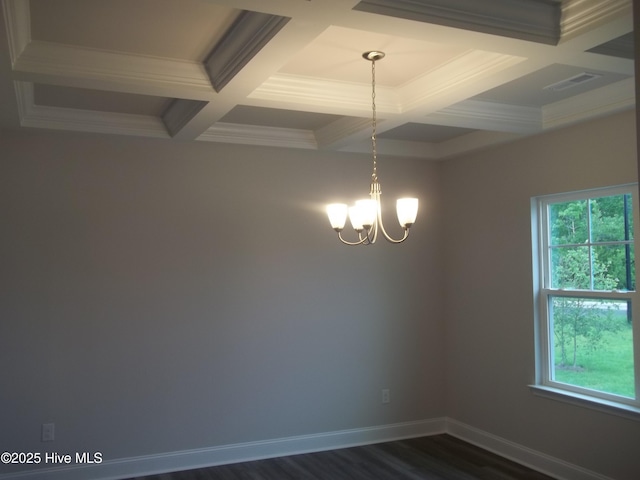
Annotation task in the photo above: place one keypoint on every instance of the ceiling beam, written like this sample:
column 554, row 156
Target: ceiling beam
column 580, row 17
column 265, row 63
column 247, row 36
column 259, row 135
column 81, row 67
column 522, row 19
column 179, row 113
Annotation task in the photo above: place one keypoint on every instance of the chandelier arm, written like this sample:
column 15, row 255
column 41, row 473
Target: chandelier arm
column 362, row 241
column 373, row 232
column 388, row 237
column 376, row 196
column 393, row 240
column 367, row 238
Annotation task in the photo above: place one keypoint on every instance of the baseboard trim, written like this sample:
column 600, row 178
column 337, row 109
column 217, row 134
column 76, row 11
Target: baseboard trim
column 525, row 456
column 242, row 452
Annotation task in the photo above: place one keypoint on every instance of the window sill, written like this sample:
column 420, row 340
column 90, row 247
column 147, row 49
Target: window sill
column 606, row 406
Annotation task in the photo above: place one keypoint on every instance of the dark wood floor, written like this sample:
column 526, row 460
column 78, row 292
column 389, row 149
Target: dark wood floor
column 427, row 458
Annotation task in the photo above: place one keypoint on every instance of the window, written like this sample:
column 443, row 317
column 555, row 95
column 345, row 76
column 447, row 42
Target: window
column 585, row 294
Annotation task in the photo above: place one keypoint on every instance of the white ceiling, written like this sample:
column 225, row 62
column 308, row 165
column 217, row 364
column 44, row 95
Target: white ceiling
column 458, row 75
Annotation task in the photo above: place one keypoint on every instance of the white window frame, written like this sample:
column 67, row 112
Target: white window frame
column 544, row 383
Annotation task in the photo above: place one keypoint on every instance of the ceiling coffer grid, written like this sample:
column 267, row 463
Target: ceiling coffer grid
column 461, row 74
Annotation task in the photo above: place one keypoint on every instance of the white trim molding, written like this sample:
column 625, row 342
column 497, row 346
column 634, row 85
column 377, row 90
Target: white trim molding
column 538, row 461
column 248, row 35
column 259, row 135
column 84, row 67
column 534, row 21
column 243, row 452
column 579, row 16
column 58, row 118
column 18, row 21
column 605, row 100
column 484, row 115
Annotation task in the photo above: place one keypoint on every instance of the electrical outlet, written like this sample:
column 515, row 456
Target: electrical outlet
column 48, row 432
column 386, row 395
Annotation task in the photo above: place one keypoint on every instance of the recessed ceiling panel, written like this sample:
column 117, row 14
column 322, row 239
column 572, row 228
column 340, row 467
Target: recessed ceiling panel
column 420, row 132
column 185, row 29
column 336, row 54
column 622, row 47
column 98, row 100
column 272, row 117
column 530, row 90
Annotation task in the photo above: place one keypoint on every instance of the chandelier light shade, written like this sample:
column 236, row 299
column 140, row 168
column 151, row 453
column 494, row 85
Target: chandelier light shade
column 366, row 215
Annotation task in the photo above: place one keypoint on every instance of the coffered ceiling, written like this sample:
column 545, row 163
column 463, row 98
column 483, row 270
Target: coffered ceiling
column 458, row 75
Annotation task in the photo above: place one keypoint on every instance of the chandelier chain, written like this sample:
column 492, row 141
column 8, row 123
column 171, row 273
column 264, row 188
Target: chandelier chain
column 374, row 175
column 366, row 215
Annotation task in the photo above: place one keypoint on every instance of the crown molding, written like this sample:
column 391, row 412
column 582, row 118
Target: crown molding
column 479, row 114
column 440, row 86
column 259, row 135
column 18, row 22
column 521, row 19
column 305, row 139
column 336, row 97
column 313, row 91
column 602, row 101
column 57, row 118
column 82, row 67
column 247, row 36
column 398, row 148
column 580, row 16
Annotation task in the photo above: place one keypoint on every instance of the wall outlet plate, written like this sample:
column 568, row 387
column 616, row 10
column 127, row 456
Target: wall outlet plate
column 386, row 395
column 48, row 432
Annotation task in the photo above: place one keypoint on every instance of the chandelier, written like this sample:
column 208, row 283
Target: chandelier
column 366, row 215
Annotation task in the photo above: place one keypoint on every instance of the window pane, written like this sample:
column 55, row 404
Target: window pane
column 570, row 268
column 568, row 222
column 614, row 267
column 592, row 344
column 611, row 219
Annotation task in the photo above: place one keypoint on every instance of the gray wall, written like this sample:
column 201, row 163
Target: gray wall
column 160, row 296
column 489, row 306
